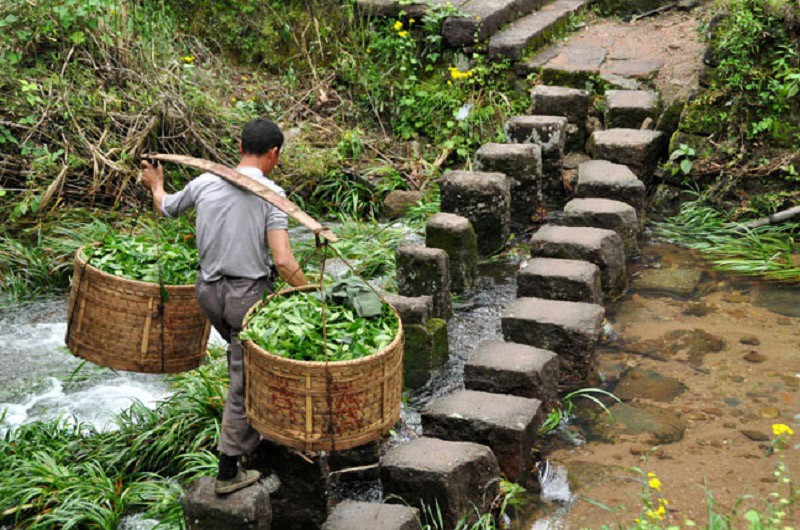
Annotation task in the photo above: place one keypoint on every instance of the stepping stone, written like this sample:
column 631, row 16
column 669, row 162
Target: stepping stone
column 605, row 213
column 560, row 279
column 602, row 179
column 484, row 199
column 522, row 163
column 575, row 65
column 570, row 103
column 461, row 477
column 630, row 108
column 482, row 18
column 635, row 148
column 412, row 309
column 508, row 425
column 454, row 234
column 353, row 515
column 246, row 509
column 508, row 368
column 570, row 329
column 550, row 134
column 641, row 69
column 599, row 246
column 391, row 8
column 425, row 340
column 532, row 30
column 425, row 271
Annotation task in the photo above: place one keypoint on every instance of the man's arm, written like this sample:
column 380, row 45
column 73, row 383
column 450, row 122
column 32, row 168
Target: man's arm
column 284, row 260
column 153, row 178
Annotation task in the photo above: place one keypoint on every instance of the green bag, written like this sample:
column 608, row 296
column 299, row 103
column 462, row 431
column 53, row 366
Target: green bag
column 353, row 292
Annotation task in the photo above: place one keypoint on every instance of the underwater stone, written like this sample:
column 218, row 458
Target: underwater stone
column 560, row 279
column 602, row 179
column 425, row 271
column 353, row 515
column 605, row 213
column 454, row 234
column 629, row 108
column 522, row 163
column 426, row 348
column 246, row 509
column 460, row 476
column 484, row 199
column 638, row 149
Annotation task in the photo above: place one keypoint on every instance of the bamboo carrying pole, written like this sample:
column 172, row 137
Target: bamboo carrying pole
column 246, row 183
column 775, row 218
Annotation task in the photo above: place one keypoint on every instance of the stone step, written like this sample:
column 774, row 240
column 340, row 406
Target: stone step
column 570, row 329
column 522, row 164
column 393, row 8
column 638, row 149
column 516, row 369
column 484, row 199
column 605, row 213
column 532, row 30
column 246, row 509
column 423, row 271
column 602, row 247
column 571, row 103
column 454, row 234
column 630, row 108
column 602, row 179
column 507, row 424
column 482, row 18
column 560, row 279
column 461, row 477
column 550, row 134
column 353, row 515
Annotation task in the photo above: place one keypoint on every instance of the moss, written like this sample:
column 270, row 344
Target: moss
column 705, row 115
column 426, row 348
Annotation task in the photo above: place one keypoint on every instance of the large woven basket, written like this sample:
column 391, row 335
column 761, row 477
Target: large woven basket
column 115, row 322
column 287, row 400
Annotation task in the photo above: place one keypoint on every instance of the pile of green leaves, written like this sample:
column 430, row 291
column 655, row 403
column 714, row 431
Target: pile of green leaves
column 291, row 326
column 137, row 256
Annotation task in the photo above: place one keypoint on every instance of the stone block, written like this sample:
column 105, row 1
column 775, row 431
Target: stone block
column 516, row 369
column 629, row 108
column 454, row 234
column 574, row 65
column 550, row 134
column 605, row 213
column 560, row 279
column 484, row 199
column 602, row 179
column 570, row 329
column 571, row 103
column 425, row 271
column 638, row 149
column 461, row 477
column 391, row 8
column 412, row 309
column 397, row 202
column 481, row 18
column 426, row 348
column 246, row 509
column 599, row 246
column 522, row 164
column 507, row 424
column 353, row 515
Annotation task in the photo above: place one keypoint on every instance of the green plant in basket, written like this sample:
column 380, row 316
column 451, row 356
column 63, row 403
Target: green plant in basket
column 291, row 326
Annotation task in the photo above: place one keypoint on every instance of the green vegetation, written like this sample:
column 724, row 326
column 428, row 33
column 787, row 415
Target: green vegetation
column 291, row 326
column 564, row 411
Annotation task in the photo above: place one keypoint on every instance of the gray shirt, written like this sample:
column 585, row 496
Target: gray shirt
column 231, row 224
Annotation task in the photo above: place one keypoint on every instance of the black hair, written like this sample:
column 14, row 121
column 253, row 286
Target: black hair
column 260, row 136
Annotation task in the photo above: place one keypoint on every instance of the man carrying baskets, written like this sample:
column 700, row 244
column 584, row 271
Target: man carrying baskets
column 235, row 232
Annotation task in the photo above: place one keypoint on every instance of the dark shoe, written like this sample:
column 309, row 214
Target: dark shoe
column 243, row 478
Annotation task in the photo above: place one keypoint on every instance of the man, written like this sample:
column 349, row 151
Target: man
column 234, row 270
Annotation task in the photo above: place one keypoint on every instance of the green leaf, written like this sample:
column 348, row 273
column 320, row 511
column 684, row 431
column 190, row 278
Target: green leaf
column 686, row 166
column 78, row 37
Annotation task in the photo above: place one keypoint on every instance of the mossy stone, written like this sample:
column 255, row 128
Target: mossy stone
column 425, row 349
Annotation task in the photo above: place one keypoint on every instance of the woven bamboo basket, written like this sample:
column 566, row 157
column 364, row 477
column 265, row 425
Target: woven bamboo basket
column 115, row 322
column 287, row 400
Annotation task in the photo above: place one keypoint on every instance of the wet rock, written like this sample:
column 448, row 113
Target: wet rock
column 484, row 199
column 732, row 402
column 425, row 271
column 756, row 436
column 754, row 357
column 769, row 413
column 750, row 340
column 699, row 309
column 648, row 384
column 638, row 149
column 412, row 310
column 675, row 282
column 397, row 202
column 602, row 179
column 583, row 474
column 780, row 299
column 656, row 424
column 351, row 515
column 508, row 425
column 560, row 279
column 508, row 368
column 694, row 344
column 425, row 349
column 522, row 164
column 246, row 509
column 454, row 234
column 630, row 108
column 608, row 214
column 461, row 477
column 550, row 134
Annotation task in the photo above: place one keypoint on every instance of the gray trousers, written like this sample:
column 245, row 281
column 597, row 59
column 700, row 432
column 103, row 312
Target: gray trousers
column 225, row 303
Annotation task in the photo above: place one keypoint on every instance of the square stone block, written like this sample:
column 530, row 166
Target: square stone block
column 353, row 515
column 629, row 108
column 425, row 271
column 461, row 477
column 246, row 509
column 516, row 369
column 484, row 199
column 425, row 348
column 522, row 163
column 571, row 103
column 602, row 247
column 570, row 329
column 601, row 179
column 560, row 279
column 454, row 234
column 412, row 309
column 550, row 134
column 605, row 213
column 638, row 149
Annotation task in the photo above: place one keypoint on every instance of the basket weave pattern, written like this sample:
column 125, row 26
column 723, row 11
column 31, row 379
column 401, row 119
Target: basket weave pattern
column 287, row 400
column 114, row 322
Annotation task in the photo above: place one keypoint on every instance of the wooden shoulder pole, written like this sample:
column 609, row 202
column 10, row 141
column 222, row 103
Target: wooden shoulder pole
column 246, row 183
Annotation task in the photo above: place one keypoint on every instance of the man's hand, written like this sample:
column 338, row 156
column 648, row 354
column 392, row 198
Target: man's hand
column 153, row 178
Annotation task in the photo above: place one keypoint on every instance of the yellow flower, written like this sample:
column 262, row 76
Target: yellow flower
column 189, row 59
column 654, row 483
column 398, row 26
column 233, row 99
column 411, row 21
column 657, row 513
column 403, row 34
column 455, row 73
column 779, row 429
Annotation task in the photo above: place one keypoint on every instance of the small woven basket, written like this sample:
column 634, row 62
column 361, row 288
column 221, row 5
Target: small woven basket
column 115, row 322
column 287, row 400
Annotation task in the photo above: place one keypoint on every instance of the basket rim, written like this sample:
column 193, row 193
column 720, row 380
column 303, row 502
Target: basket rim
column 79, row 261
column 255, row 348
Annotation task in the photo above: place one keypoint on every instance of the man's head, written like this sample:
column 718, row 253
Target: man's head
column 261, row 144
